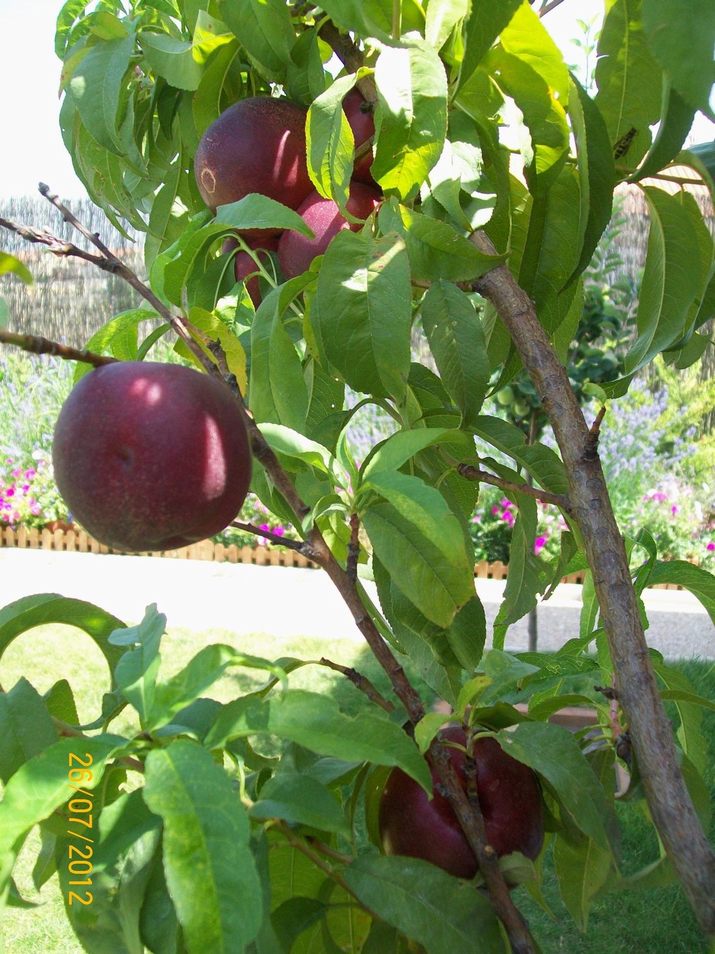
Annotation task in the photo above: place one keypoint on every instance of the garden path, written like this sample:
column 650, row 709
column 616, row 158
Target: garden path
column 298, row 602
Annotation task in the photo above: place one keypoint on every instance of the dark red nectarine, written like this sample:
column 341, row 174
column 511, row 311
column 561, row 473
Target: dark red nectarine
column 509, row 796
column 256, row 145
column 151, row 456
column 360, row 115
column 296, row 251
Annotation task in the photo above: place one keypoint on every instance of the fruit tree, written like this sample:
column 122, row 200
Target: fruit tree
column 323, row 187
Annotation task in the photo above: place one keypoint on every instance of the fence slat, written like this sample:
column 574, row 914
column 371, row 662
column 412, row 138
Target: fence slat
column 79, row 540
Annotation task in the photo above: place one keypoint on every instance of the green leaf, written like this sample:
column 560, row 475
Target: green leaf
column 207, row 101
column 361, row 313
column 539, row 460
column 436, row 250
column 431, row 907
column 673, row 130
column 411, row 119
column 41, row 786
column 315, row 722
column 210, row 35
column 30, row 611
column 485, row 24
column 199, row 674
column 26, row 727
column 210, row 870
column 330, row 142
column 690, row 731
column 60, row 703
column 456, row 339
column 596, row 172
column 11, row 265
column 532, row 70
column 394, row 452
column 582, row 870
column 137, row 670
column 292, row 444
column 680, row 34
column 277, row 388
column 421, row 544
column 629, row 82
column 265, row 31
column 118, row 338
column 525, row 580
column 671, row 280
column 96, row 88
column 300, row 800
column 121, row 864
column 442, row 17
column 553, row 752
column 256, row 211
column 158, row 923
column 172, row 59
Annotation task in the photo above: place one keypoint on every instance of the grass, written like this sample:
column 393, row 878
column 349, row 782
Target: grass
column 639, row 922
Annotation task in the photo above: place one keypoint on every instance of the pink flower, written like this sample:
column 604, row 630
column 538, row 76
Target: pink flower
column 710, row 546
column 539, row 544
column 674, row 509
column 17, row 472
column 279, row 531
column 505, row 502
column 30, row 473
column 495, row 510
column 10, row 492
column 508, row 517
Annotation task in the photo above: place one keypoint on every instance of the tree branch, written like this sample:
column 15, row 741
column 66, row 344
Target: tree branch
column 38, row 345
column 474, row 473
column 668, row 798
column 300, row 546
column 361, row 682
column 108, row 261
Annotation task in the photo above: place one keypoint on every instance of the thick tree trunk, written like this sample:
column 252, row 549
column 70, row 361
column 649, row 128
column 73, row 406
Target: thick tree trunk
column 651, row 733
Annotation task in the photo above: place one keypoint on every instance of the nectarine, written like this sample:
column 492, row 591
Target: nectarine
column 151, row 456
column 509, row 797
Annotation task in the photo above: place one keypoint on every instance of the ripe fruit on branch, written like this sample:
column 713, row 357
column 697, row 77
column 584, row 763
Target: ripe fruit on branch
column 296, row 251
column 151, row 456
column 360, row 115
column 256, row 145
column 509, row 797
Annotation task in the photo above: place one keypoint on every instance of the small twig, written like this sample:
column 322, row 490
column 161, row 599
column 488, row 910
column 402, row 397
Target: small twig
column 353, row 548
column 474, row 473
column 350, row 55
column 300, row 546
column 328, row 851
column 594, row 433
column 300, row 845
column 37, row 345
column 361, row 682
column 548, row 7
column 109, row 262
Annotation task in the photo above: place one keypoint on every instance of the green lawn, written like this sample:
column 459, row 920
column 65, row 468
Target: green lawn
column 636, row 922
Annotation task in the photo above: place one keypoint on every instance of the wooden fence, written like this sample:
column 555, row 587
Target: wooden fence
column 77, row 541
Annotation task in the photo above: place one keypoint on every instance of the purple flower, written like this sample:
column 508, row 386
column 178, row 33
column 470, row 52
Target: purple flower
column 10, row 492
column 30, row 473
column 674, row 509
column 539, row 544
column 279, row 531
column 710, row 546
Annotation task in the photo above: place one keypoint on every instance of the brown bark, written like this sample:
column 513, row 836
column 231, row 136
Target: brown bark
column 668, row 798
